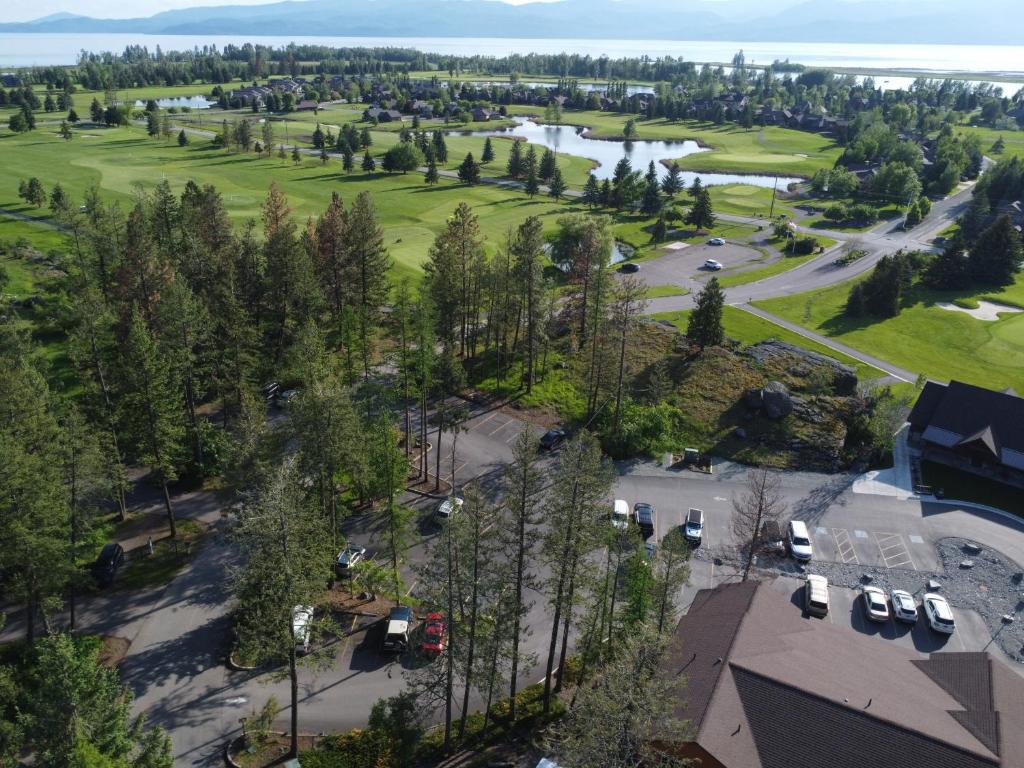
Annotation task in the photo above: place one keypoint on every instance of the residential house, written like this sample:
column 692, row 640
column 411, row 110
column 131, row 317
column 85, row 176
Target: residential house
column 764, row 686
column 382, row 115
column 484, row 114
column 971, row 428
column 8, row 80
column 307, row 105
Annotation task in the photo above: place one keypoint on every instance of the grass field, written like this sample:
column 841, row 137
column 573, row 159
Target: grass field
column 1014, row 140
column 923, row 338
column 734, row 149
column 749, row 329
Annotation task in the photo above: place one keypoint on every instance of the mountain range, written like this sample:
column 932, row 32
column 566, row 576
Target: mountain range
column 867, row 21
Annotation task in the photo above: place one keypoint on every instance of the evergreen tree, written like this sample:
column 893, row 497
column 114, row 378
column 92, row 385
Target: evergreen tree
column 65, row 131
column 440, row 147
column 591, row 191
column 96, row 111
column 695, row 188
column 515, row 160
column 182, row 138
column 488, row 154
column 951, row 270
column 318, row 137
column 365, row 139
column 72, row 116
column 469, row 170
column 672, row 184
column 431, row 176
column 651, row 203
column 296, row 157
column 548, row 164
column 370, row 263
column 705, row 325
column 369, row 164
column 701, row 216
column 557, row 185
column 996, row 255
column 606, row 192
column 60, row 204
column 347, row 159
column 532, row 184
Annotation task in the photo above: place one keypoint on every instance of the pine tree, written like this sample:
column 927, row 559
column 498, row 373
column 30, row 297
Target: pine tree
column 65, row 131
column 701, row 216
column 996, row 255
column 370, row 263
column 532, row 183
column 651, row 203
column 469, row 170
column 705, row 325
column 431, row 176
column 547, row 164
column 672, row 184
column 318, row 137
column 515, row 160
column 440, row 147
column 369, row 164
column 488, row 154
column 557, row 186
column 365, row 138
column 296, row 157
column 182, row 138
column 347, row 159
column 591, row 191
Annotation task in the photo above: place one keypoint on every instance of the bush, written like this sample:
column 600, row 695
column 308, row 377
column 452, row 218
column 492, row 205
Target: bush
column 863, row 214
column 804, row 246
column 837, row 212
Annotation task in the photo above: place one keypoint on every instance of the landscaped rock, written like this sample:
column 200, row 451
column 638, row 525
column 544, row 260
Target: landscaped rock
column 752, row 399
column 776, row 400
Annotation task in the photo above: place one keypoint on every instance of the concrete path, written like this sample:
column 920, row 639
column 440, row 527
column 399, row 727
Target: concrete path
column 895, row 481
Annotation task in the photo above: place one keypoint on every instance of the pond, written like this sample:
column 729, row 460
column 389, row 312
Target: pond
column 570, row 140
column 195, row 102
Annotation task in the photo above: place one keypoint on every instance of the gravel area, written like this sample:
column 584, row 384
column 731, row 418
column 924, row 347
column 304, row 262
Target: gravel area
column 992, row 585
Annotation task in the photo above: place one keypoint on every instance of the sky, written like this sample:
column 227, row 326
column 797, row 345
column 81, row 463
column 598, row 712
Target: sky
column 27, row 10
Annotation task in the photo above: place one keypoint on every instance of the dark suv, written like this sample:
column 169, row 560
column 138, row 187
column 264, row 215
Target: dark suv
column 643, row 515
column 105, row 568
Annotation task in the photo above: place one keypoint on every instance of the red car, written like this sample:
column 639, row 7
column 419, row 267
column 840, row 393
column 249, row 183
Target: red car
column 434, row 634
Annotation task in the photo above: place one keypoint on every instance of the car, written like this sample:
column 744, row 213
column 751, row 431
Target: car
column 693, row 529
column 302, row 618
column 349, row 557
column 269, row 391
column 938, row 613
column 111, row 558
column 643, row 516
column 620, row 514
column 716, row 241
column 396, row 631
column 552, row 439
column 435, row 636
column 816, row 595
column 449, row 507
column 629, row 268
column 713, row 265
column 903, row 606
column 286, row 397
column 800, row 541
column 876, row 607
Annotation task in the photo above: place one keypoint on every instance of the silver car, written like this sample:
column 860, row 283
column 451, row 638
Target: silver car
column 903, row 606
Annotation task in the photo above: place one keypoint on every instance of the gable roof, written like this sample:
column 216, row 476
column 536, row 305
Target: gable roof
column 958, row 414
column 759, row 680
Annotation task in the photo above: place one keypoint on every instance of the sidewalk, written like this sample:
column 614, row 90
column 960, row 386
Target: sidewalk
column 895, row 482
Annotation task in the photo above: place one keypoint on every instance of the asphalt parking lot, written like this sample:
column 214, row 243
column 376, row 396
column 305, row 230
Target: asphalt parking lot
column 847, row 609
column 681, row 267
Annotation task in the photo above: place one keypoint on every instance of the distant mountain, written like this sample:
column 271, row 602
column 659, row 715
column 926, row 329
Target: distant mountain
column 867, row 21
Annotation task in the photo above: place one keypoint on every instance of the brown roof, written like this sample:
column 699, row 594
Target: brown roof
column 769, row 688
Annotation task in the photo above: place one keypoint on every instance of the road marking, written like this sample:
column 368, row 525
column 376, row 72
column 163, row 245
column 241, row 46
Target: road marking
column 915, row 539
column 514, row 437
column 861, row 534
column 894, row 550
column 236, row 701
column 499, row 427
column 845, row 546
column 720, row 498
column 821, row 531
column 484, row 421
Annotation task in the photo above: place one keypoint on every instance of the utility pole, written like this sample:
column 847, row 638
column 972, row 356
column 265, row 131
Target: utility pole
column 771, row 211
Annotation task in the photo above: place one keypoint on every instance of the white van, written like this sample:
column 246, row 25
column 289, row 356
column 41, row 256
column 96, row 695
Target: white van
column 816, row 595
column 620, row 514
column 799, row 540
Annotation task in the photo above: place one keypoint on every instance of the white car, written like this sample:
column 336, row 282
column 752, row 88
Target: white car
column 713, row 265
column 938, row 613
column 903, row 606
column 449, row 507
column 349, row 556
column 800, row 541
column 876, row 607
column 302, row 617
column 620, row 514
column 716, row 241
column 816, row 595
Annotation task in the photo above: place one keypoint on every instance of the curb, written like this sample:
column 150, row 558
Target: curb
column 228, row 749
column 969, row 505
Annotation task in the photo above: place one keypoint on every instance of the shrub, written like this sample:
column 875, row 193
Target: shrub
column 804, row 246
column 837, row 212
column 863, row 214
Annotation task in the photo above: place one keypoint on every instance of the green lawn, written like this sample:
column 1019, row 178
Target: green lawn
column 749, row 329
column 734, row 149
column 663, row 291
column 923, row 338
column 119, row 158
column 746, row 200
column 1014, row 140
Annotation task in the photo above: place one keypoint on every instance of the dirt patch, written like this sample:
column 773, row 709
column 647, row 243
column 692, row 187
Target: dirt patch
column 113, row 650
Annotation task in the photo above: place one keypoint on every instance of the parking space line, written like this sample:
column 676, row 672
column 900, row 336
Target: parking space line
column 845, row 546
column 861, row 534
column 499, row 427
column 894, row 551
column 485, row 420
column 513, row 438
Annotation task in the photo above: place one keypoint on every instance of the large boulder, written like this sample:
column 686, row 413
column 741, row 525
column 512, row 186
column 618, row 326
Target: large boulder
column 776, row 400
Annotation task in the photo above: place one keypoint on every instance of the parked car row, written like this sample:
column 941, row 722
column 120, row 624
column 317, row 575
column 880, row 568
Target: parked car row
column 937, row 611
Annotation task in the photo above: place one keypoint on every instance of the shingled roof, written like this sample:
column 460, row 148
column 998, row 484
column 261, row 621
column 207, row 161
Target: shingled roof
column 768, row 688
column 961, row 414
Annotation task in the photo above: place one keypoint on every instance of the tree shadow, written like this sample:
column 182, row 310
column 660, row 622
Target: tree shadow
column 812, row 507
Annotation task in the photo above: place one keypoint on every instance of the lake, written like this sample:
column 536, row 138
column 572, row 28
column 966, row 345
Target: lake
column 192, row 102
column 570, row 140
column 47, row 49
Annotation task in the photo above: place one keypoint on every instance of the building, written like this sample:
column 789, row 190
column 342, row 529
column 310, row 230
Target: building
column 484, row 114
column 768, row 688
column 382, row 115
column 306, row 105
column 971, row 428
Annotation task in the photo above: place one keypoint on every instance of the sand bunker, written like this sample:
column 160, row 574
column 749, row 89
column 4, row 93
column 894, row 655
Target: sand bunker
column 986, row 310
